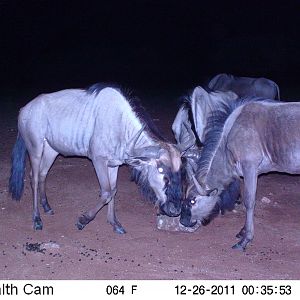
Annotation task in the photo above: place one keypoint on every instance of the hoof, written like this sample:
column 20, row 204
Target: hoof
column 38, row 224
column 242, row 244
column 47, row 208
column 82, row 222
column 238, row 247
column 119, row 230
column 79, row 225
column 49, row 212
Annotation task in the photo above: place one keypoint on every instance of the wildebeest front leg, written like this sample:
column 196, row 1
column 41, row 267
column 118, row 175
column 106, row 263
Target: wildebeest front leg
column 241, row 234
column 111, row 215
column 250, row 184
column 107, row 193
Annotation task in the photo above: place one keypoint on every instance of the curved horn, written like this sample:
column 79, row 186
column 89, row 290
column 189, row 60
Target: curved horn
column 131, row 144
column 145, row 152
column 198, row 186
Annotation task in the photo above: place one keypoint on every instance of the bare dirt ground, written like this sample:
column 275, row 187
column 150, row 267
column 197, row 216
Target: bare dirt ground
column 144, row 252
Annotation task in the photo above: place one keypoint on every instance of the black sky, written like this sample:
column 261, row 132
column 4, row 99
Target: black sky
column 146, row 44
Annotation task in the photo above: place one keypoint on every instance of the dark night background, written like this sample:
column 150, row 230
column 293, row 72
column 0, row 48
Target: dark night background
column 155, row 46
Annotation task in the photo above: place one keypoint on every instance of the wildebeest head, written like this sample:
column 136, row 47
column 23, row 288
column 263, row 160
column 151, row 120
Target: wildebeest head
column 157, row 171
column 200, row 205
column 203, row 204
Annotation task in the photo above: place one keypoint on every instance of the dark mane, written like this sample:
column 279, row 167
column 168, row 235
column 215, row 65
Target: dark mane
column 140, row 178
column 144, row 117
column 134, row 102
column 214, row 130
column 96, row 88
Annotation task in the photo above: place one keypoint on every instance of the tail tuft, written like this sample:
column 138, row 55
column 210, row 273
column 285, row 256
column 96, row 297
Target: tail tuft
column 230, row 196
column 16, row 180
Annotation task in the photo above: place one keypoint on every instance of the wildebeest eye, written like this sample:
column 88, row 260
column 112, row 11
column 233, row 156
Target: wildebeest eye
column 160, row 170
column 193, row 201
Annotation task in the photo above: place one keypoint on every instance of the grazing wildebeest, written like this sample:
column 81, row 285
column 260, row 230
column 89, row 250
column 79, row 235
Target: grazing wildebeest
column 103, row 125
column 188, row 128
column 253, row 137
column 245, row 86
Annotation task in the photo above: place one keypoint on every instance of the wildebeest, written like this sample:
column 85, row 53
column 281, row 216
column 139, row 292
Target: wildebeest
column 245, row 86
column 254, row 136
column 102, row 124
column 188, row 128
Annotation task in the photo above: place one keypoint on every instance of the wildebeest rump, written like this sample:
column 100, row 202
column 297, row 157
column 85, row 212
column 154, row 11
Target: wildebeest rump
column 245, row 86
column 256, row 137
column 103, row 125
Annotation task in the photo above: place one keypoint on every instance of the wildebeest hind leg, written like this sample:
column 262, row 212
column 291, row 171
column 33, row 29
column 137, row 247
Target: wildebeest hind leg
column 35, row 160
column 250, row 184
column 49, row 155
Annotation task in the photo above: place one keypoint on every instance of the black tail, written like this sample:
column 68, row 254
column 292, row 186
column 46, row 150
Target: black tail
column 16, row 180
column 228, row 199
column 230, row 196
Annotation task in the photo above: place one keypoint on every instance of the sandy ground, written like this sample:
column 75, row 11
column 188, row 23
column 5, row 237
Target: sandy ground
column 60, row 251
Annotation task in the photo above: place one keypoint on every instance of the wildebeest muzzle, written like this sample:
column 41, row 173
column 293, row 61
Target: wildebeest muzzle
column 170, row 208
column 186, row 216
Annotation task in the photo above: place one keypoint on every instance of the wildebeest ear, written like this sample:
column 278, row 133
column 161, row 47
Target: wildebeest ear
column 186, row 137
column 199, row 105
column 212, row 193
column 199, row 92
